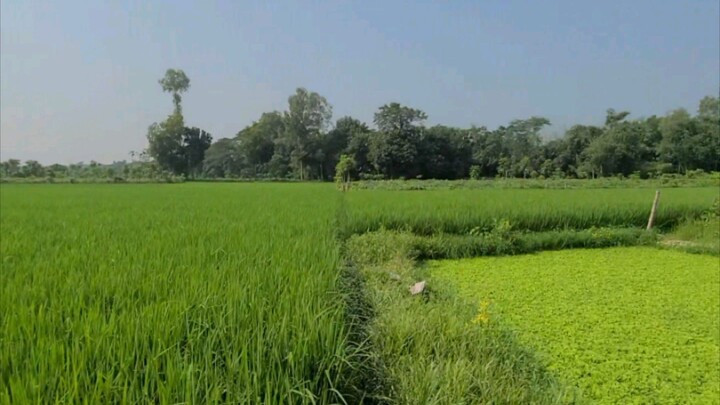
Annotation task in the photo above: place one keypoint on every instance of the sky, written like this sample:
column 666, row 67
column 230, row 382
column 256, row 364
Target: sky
column 79, row 79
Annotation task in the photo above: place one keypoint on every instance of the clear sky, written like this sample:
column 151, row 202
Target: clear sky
column 79, row 78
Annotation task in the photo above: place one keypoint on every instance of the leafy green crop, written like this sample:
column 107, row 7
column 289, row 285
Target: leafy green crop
column 626, row 325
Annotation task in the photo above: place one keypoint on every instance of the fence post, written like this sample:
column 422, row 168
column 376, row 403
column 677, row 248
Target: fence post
column 653, row 211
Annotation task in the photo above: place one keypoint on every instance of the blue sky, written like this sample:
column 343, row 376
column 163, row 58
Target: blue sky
column 78, row 80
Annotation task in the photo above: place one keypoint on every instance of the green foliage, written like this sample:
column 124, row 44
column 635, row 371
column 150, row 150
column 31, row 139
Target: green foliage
column 223, row 159
column 690, row 179
column 300, row 143
column 165, row 142
column 175, row 147
column 698, row 235
column 343, row 172
column 369, row 248
column 393, row 151
column 168, row 294
column 427, row 348
column 175, row 82
column 184, row 299
column 624, row 325
column 306, row 120
column 461, row 210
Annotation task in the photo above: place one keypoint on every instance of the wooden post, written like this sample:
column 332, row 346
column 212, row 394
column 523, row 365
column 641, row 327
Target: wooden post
column 653, row 212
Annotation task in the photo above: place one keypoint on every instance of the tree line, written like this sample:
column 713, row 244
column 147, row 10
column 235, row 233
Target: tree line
column 303, row 143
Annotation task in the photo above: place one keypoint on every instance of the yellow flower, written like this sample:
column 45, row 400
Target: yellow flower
column 483, row 315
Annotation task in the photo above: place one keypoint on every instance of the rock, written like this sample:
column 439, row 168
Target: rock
column 417, row 288
column 394, row 276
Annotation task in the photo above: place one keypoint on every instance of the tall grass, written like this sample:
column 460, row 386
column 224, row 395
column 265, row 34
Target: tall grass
column 189, row 293
column 464, row 211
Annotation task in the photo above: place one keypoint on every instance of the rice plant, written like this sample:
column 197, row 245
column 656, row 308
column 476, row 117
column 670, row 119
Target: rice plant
column 192, row 293
column 462, row 211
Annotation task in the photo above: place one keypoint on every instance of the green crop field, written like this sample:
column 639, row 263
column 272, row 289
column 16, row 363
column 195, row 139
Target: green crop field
column 460, row 211
column 164, row 294
column 625, row 325
column 278, row 293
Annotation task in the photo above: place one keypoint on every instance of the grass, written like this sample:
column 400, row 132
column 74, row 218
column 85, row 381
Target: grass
column 698, row 235
column 191, row 293
column 664, row 181
column 624, row 325
column 464, row 211
column 280, row 293
column 427, row 348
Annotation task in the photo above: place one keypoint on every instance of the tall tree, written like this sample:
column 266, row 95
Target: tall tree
column 174, row 147
column 166, row 143
column 175, row 82
column 618, row 150
column 195, row 143
column 308, row 116
column 708, row 119
column 679, row 140
column 523, row 136
column 258, row 141
column 338, row 142
column 576, row 140
column 393, row 150
column 444, row 153
column 488, row 147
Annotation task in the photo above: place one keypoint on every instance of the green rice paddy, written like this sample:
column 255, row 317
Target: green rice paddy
column 238, row 293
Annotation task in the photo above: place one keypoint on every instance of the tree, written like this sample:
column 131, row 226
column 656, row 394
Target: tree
column 708, row 125
column 487, row 147
column 679, row 140
column 504, row 166
column 174, row 147
column 613, row 117
column 618, row 150
column 396, row 118
column 709, row 108
column 576, row 140
column 393, row 150
column 33, row 168
column 307, row 118
column 195, row 143
column 224, row 158
column 11, row 168
column 339, row 141
column 166, row 139
column 444, row 153
column 175, row 82
column 359, row 148
column 343, row 172
column 57, row 170
column 166, row 143
column 258, row 141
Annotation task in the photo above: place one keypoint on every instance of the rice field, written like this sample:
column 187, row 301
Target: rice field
column 623, row 325
column 169, row 294
column 235, row 292
column 460, row 211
